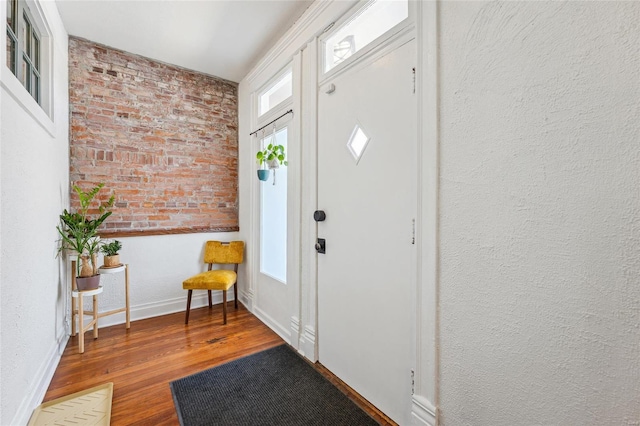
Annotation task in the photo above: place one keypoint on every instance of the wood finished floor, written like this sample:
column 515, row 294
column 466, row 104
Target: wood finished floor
column 143, row 360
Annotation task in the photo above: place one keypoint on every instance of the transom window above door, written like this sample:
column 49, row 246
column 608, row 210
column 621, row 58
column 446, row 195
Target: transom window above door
column 369, row 23
column 276, row 93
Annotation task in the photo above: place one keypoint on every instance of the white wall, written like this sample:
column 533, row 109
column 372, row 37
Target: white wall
column 1, row 97
column 540, row 236
column 34, row 188
column 157, row 267
column 34, row 284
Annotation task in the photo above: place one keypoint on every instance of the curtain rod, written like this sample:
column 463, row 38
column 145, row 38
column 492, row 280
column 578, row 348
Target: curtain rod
column 271, row 122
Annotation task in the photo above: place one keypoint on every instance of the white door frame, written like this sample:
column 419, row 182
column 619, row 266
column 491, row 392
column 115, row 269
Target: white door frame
column 425, row 399
column 302, row 39
column 400, row 356
column 289, row 332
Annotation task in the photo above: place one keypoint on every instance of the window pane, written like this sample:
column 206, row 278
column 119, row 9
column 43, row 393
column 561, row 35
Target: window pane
column 26, row 35
column 281, row 90
column 11, row 14
column 35, row 55
column 11, row 53
column 357, row 143
column 273, row 218
column 35, row 87
column 26, row 74
column 378, row 18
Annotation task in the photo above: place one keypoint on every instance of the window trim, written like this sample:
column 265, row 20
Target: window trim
column 26, row 36
column 42, row 112
column 266, row 116
column 30, row 54
column 12, row 31
column 365, row 51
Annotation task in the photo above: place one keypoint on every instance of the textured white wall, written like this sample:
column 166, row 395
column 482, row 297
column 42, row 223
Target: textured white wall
column 540, row 213
column 34, row 188
column 2, row 95
column 157, row 266
column 35, row 315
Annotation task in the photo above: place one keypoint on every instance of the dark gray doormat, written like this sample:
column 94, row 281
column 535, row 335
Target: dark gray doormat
column 273, row 387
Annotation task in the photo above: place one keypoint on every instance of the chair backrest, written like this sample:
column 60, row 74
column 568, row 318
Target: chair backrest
column 221, row 252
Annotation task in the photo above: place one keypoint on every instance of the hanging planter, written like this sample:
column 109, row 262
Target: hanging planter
column 263, row 174
column 273, row 164
column 273, row 156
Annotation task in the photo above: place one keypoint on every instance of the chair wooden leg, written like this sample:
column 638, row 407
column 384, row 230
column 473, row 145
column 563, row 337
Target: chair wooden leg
column 186, row 320
column 210, row 304
column 235, row 295
column 224, row 306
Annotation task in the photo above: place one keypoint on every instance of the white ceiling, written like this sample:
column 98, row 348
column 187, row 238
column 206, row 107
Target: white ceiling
column 224, row 38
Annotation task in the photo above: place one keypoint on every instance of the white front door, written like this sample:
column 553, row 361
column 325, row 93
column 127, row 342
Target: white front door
column 367, row 190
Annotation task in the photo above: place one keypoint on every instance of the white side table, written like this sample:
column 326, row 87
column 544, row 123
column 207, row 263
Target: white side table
column 77, row 294
column 77, row 308
column 126, row 310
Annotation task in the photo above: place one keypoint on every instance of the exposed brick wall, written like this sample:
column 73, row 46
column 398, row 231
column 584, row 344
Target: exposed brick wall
column 163, row 138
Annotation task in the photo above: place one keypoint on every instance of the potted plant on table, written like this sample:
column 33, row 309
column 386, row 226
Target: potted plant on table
column 111, row 255
column 79, row 235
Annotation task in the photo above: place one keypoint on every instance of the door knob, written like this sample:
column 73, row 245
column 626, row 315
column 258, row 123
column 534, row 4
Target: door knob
column 321, row 245
column 319, row 216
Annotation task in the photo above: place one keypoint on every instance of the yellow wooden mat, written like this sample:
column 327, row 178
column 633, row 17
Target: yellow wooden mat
column 87, row 407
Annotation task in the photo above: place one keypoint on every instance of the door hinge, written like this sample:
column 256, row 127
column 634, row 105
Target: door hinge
column 414, row 79
column 413, row 231
column 328, row 27
column 413, row 382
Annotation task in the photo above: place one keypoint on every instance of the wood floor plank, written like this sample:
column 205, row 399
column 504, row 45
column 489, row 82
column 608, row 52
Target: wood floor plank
column 142, row 361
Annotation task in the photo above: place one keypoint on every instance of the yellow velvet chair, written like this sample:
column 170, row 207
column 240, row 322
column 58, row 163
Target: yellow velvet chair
column 220, row 279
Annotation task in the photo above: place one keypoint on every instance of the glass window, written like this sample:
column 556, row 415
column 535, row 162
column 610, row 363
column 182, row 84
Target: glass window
column 357, row 143
column 273, row 217
column 23, row 47
column 374, row 20
column 26, row 35
column 278, row 92
column 12, row 39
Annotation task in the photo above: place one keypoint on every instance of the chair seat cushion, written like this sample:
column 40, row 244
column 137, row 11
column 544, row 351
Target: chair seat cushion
column 220, row 279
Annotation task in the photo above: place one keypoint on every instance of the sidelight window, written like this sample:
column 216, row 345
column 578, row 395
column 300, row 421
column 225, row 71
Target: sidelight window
column 273, row 218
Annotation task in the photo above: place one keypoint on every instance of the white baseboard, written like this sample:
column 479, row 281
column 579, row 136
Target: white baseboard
column 295, row 332
column 423, row 412
column 35, row 393
column 246, row 297
column 164, row 307
column 272, row 324
column 308, row 344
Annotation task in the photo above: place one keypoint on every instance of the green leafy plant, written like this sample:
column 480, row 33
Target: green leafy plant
column 270, row 153
column 79, row 230
column 112, row 248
